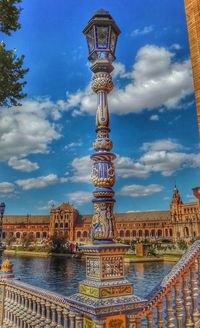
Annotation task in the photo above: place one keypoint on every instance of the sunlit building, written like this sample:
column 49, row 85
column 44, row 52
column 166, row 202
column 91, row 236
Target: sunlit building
column 181, row 221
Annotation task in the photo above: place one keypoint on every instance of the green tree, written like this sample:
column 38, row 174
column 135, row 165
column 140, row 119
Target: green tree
column 9, row 16
column 11, row 66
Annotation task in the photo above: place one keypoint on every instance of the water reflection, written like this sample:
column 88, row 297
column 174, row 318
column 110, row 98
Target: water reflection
column 62, row 275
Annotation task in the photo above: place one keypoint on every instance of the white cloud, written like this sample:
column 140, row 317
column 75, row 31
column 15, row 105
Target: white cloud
column 50, row 204
column 161, row 144
column 79, row 197
column 28, row 129
column 127, row 167
column 164, row 156
column 40, row 182
column 140, row 190
column 175, row 46
column 22, row 164
column 6, row 187
column 155, row 80
column 81, row 169
column 154, row 118
column 73, row 145
column 143, row 31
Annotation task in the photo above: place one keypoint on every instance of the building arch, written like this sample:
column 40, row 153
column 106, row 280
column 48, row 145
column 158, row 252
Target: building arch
column 18, row 234
column 146, row 233
column 140, row 233
column 37, row 234
column 85, row 234
column 159, row 233
column 44, row 234
column 4, row 235
column 127, row 233
column 166, row 232
column 78, row 234
column 61, row 225
column 186, row 232
column 134, row 233
column 171, row 232
column 153, row 233
column 121, row 233
column 56, row 225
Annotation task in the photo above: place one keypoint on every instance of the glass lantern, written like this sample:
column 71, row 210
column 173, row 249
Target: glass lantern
column 2, row 209
column 101, row 34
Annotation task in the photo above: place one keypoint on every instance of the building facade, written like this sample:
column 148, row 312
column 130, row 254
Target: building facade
column 192, row 9
column 181, row 221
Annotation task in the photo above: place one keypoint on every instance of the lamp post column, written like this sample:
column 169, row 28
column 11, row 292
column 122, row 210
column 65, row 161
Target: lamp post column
column 2, row 210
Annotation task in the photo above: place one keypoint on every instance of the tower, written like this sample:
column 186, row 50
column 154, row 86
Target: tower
column 192, row 9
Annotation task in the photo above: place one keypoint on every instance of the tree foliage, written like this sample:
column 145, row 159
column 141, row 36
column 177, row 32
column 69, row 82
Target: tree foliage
column 9, row 16
column 11, row 66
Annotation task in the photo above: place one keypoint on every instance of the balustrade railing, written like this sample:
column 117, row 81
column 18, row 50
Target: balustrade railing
column 172, row 303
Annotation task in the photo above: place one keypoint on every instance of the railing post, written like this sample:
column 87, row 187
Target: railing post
column 48, row 320
column 65, row 315
column 53, row 318
column 133, row 322
column 194, row 289
column 160, row 314
column 100, row 323
column 150, row 320
column 179, row 304
column 170, row 316
column 79, row 320
column 187, row 302
column 72, row 319
column 59, row 321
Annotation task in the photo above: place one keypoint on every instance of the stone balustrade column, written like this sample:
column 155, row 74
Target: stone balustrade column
column 170, row 312
column 18, row 309
column 195, row 293
column 59, row 317
column 53, row 317
column 33, row 313
column 29, row 312
column 42, row 317
column 15, row 308
column 5, row 321
column 38, row 315
column 72, row 319
column 65, row 315
column 179, row 303
column 133, row 322
column 160, row 314
column 21, row 310
column 150, row 320
column 48, row 317
column 78, row 320
column 187, row 302
column 25, row 310
column 100, row 323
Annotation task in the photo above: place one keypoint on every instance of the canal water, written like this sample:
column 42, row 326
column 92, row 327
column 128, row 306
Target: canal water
column 61, row 275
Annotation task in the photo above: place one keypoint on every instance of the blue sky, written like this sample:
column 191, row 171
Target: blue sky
column 45, row 144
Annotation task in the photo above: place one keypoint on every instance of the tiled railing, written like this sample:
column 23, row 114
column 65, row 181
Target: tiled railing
column 172, row 303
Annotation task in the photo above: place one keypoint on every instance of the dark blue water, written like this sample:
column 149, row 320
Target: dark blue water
column 62, row 275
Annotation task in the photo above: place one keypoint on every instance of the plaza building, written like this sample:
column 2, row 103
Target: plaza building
column 192, row 10
column 181, row 221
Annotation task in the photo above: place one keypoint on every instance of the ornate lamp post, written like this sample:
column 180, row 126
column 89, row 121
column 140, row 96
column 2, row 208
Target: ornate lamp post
column 105, row 291
column 101, row 34
column 2, row 210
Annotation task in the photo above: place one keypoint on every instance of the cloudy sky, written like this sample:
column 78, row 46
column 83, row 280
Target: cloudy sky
column 45, row 144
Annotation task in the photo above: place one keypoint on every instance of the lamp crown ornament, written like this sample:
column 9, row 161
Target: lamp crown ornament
column 101, row 34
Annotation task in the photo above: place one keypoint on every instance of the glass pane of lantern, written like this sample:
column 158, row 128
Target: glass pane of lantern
column 102, row 33
column 112, row 41
column 90, row 39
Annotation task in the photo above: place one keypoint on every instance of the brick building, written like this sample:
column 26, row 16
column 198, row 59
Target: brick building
column 182, row 220
column 192, row 9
